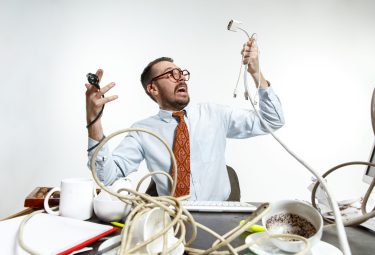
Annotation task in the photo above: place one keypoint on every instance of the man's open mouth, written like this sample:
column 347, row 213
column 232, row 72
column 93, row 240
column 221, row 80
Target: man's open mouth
column 181, row 89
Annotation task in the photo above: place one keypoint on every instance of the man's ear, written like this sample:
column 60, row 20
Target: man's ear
column 152, row 90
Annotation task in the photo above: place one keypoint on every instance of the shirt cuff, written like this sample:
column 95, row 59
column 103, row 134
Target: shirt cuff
column 266, row 92
column 103, row 151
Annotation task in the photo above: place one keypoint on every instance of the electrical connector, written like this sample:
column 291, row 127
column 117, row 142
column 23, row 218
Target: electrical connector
column 246, row 94
column 234, row 25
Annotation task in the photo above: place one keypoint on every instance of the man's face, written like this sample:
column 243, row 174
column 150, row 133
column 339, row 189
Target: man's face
column 170, row 94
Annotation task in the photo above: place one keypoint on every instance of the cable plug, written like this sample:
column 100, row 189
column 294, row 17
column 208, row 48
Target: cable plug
column 234, row 25
column 246, row 94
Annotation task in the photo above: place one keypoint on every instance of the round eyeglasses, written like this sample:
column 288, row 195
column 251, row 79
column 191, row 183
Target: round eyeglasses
column 175, row 73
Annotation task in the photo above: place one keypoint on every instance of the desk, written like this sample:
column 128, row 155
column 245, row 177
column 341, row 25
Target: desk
column 361, row 241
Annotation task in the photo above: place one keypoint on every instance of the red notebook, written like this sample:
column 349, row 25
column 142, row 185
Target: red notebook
column 49, row 234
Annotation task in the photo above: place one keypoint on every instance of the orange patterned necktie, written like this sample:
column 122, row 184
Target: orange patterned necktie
column 181, row 150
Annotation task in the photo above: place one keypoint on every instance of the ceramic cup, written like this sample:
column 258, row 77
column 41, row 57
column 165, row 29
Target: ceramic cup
column 293, row 217
column 108, row 207
column 149, row 224
column 76, row 198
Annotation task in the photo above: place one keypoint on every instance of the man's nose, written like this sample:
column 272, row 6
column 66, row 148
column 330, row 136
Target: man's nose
column 182, row 78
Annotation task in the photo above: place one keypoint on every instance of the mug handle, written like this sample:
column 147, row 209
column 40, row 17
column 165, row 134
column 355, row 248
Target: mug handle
column 46, row 205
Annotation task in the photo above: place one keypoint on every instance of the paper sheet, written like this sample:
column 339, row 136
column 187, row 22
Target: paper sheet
column 49, row 234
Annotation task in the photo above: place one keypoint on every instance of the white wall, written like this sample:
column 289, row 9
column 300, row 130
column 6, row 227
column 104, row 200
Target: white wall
column 318, row 55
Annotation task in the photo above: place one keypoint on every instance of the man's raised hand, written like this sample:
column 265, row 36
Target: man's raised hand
column 95, row 99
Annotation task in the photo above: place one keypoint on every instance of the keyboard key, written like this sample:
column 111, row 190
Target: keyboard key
column 218, row 206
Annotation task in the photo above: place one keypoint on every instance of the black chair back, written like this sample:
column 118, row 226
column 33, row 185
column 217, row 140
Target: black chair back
column 235, row 194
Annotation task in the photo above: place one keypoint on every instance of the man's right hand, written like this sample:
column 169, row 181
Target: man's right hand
column 94, row 104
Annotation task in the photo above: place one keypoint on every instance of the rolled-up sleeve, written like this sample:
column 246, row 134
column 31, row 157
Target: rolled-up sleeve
column 124, row 159
column 270, row 108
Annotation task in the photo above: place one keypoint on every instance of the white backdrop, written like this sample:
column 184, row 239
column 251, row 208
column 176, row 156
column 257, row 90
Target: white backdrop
column 318, row 55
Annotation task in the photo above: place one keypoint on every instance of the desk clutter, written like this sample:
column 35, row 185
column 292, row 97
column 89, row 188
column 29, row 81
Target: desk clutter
column 63, row 231
column 51, row 234
column 36, row 198
column 149, row 222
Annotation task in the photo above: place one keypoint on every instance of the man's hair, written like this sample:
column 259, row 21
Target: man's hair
column 147, row 73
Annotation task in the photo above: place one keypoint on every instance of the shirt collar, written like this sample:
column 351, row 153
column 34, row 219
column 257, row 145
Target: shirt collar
column 166, row 116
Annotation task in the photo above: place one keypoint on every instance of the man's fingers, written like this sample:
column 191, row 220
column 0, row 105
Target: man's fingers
column 254, row 41
column 99, row 73
column 105, row 100
column 245, row 60
column 106, row 88
column 251, row 42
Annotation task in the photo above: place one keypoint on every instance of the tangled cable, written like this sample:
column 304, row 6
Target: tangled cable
column 365, row 215
column 142, row 203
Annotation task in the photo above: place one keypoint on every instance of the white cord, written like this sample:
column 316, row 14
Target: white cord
column 339, row 222
column 245, row 82
column 20, row 240
column 238, row 81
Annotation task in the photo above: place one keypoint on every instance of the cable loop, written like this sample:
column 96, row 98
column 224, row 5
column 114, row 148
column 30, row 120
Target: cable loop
column 365, row 215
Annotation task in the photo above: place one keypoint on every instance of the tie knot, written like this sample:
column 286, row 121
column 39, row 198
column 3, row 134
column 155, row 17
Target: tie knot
column 178, row 115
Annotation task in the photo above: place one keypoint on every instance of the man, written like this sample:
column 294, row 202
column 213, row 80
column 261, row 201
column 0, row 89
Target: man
column 206, row 127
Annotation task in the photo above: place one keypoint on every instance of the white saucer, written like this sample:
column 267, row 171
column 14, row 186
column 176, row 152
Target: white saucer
column 116, row 239
column 266, row 247
column 109, row 242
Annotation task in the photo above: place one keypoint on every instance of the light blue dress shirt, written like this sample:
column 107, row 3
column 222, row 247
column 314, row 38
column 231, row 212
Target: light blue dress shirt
column 209, row 125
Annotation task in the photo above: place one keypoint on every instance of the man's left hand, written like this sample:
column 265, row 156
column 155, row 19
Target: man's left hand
column 250, row 56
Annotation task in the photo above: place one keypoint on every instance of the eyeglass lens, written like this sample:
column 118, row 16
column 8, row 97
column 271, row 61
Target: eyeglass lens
column 176, row 73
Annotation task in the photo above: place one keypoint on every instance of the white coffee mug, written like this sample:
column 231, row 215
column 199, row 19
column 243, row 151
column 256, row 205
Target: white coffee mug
column 76, row 198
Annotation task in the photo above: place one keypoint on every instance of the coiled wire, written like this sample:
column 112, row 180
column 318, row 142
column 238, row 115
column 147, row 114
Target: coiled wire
column 142, row 203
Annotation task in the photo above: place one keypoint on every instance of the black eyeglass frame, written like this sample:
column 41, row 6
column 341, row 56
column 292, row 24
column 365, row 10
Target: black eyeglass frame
column 182, row 73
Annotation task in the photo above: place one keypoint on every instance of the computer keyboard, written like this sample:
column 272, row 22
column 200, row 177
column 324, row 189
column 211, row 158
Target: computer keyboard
column 218, row 206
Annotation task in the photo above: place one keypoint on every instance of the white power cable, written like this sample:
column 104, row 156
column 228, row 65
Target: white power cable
column 238, row 81
column 339, row 222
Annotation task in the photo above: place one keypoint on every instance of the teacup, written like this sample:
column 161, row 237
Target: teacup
column 149, row 224
column 108, row 207
column 293, row 217
column 76, row 196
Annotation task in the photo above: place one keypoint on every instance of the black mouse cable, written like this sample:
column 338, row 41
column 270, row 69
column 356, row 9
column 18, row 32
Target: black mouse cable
column 97, row 117
column 93, row 79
